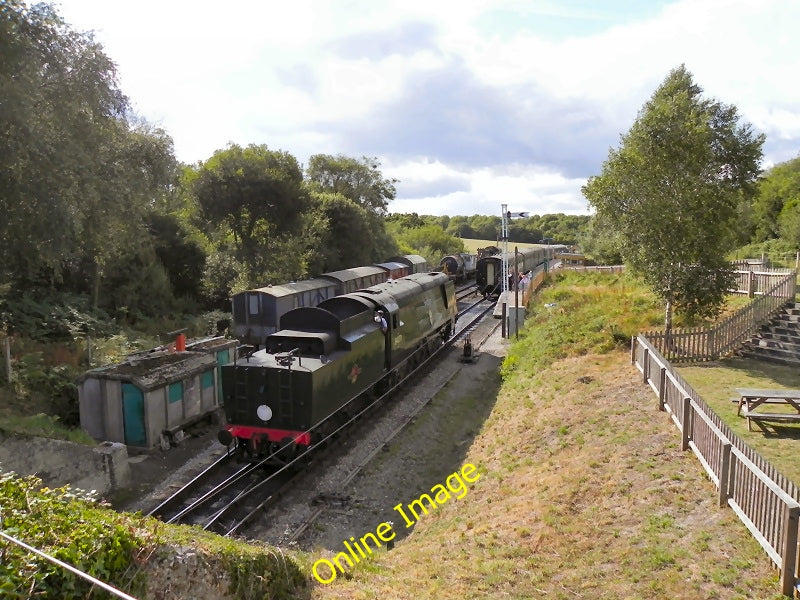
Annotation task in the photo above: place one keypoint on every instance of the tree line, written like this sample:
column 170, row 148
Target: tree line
column 98, row 213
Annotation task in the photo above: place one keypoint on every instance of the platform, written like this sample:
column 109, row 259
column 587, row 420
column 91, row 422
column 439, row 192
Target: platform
column 510, row 301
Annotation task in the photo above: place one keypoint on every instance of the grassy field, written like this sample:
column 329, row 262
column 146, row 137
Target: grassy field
column 584, row 491
column 473, row 245
column 717, row 382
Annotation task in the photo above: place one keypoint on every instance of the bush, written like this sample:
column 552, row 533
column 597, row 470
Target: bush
column 55, row 317
column 68, row 525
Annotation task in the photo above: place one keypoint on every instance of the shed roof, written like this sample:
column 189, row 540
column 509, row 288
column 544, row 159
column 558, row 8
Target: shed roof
column 154, row 370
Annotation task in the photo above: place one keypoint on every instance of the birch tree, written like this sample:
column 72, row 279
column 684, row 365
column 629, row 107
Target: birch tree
column 671, row 190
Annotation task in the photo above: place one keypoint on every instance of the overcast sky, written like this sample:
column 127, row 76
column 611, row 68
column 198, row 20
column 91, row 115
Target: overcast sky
column 469, row 104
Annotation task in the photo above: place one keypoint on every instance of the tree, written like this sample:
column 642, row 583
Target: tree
column 78, row 173
column 257, row 195
column 58, row 95
column 600, row 242
column 671, row 190
column 359, row 180
column 344, row 227
column 789, row 222
column 133, row 168
column 459, row 226
column 778, row 189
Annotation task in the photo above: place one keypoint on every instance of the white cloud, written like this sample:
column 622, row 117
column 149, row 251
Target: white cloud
column 509, row 98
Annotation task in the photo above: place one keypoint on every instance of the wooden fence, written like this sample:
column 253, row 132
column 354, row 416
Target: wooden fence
column 701, row 344
column 757, row 282
column 763, row 499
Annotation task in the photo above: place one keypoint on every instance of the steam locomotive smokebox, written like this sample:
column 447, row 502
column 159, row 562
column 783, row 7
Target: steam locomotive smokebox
column 150, row 394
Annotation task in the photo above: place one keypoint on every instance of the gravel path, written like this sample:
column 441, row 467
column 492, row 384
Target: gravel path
column 421, row 455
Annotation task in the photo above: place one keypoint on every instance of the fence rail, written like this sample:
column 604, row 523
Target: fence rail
column 764, row 499
column 701, row 344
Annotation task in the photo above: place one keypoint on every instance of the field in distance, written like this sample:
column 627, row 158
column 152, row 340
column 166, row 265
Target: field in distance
column 472, row 246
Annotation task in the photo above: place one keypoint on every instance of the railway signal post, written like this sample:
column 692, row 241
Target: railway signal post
column 507, row 215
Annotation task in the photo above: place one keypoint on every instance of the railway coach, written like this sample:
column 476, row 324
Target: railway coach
column 489, row 269
column 257, row 312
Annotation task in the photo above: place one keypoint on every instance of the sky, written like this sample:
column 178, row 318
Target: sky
column 469, row 104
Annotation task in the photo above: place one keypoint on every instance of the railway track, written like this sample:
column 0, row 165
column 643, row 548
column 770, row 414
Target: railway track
column 226, row 496
column 382, row 443
column 466, row 291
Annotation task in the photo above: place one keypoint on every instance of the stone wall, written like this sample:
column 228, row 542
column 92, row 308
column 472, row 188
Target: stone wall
column 102, row 468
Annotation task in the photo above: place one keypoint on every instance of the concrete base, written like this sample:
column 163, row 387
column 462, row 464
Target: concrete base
column 56, row 462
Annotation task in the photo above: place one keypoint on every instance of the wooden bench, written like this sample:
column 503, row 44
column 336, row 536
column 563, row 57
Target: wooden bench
column 760, row 417
column 750, row 398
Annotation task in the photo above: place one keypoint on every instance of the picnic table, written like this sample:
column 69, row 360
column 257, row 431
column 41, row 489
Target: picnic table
column 751, row 399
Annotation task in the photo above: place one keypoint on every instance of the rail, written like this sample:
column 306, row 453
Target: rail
column 764, row 499
column 174, row 516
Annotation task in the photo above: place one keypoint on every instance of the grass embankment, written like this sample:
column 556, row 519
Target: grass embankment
column 584, row 491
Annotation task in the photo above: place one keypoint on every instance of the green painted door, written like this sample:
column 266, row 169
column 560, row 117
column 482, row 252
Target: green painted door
column 133, row 415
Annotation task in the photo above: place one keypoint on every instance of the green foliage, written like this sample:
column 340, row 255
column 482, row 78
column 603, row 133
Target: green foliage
column 46, row 426
column 56, row 383
column 78, row 171
column 359, row 180
column 68, row 525
column 777, row 199
column 267, row 574
column 59, row 91
column 253, row 202
column 54, row 316
column 343, row 231
column 561, row 228
column 71, row 526
column 181, row 255
column 601, row 242
column 579, row 313
column 356, row 193
column 137, row 285
column 429, row 241
column 789, row 222
column 672, row 191
column 256, row 571
column 777, row 252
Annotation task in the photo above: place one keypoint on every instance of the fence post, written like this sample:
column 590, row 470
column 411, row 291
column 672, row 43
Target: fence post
column 711, row 342
column 724, row 474
column 662, row 388
column 7, row 357
column 751, row 284
column 685, row 423
column 646, row 365
column 789, row 554
column 633, row 349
